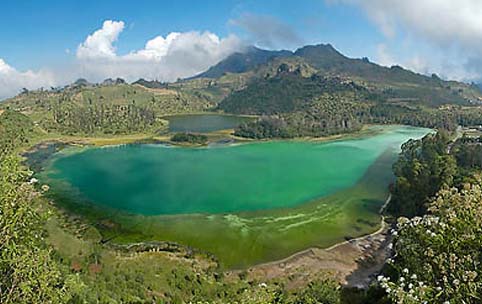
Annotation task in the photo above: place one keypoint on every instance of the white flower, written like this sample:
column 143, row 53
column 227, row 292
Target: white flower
column 413, row 277
column 405, row 270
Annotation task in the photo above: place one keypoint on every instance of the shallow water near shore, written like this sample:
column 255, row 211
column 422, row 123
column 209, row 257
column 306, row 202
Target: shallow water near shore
column 246, row 203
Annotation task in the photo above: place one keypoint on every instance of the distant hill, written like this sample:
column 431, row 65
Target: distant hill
column 311, row 91
column 394, row 83
column 287, row 92
column 242, row 62
column 154, row 84
column 110, row 81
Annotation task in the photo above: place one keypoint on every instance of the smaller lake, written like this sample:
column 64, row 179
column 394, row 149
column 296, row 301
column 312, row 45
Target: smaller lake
column 204, row 123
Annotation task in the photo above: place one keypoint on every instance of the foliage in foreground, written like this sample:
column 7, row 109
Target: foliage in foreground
column 438, row 256
column 28, row 274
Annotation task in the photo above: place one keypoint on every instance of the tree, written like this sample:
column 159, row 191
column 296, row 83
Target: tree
column 28, row 273
column 424, row 166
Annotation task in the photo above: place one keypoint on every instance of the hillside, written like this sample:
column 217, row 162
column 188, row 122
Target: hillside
column 295, row 87
column 109, row 108
column 394, row 83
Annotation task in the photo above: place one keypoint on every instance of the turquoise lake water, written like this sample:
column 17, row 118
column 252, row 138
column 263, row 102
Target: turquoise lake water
column 159, row 179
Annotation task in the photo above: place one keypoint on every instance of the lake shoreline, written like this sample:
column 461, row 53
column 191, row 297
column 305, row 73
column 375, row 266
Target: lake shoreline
column 105, row 141
column 352, row 235
column 348, row 268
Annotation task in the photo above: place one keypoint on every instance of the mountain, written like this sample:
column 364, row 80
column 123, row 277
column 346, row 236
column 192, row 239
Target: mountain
column 393, row 83
column 242, row 62
column 315, row 90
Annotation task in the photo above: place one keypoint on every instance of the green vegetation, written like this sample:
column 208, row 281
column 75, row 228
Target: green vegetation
column 190, row 138
column 15, row 130
column 49, row 256
column 436, row 256
column 424, row 167
column 104, row 109
column 28, row 272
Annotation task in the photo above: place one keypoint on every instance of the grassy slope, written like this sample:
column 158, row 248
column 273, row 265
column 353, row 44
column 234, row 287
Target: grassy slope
column 39, row 105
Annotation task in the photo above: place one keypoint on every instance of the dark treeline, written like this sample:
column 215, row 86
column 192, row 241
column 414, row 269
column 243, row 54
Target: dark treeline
column 329, row 114
column 321, row 119
column 468, row 152
column 189, row 138
column 425, row 166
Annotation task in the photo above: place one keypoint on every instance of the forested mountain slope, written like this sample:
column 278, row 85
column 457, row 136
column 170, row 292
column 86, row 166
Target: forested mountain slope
column 306, row 92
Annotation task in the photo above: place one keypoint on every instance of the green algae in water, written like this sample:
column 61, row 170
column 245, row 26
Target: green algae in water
column 247, row 204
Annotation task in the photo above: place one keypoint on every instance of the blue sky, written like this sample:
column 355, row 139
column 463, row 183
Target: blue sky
column 56, row 26
column 40, row 41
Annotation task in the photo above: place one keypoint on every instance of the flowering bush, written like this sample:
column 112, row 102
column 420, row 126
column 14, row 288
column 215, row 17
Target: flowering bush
column 437, row 257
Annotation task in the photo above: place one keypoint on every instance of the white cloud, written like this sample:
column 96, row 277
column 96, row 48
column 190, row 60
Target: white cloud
column 452, row 28
column 177, row 55
column 12, row 81
column 100, row 43
column 441, row 21
column 439, row 64
column 383, row 56
column 268, row 31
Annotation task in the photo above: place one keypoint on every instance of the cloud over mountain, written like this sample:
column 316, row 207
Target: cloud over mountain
column 177, row 55
column 268, row 31
column 452, row 28
column 166, row 58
